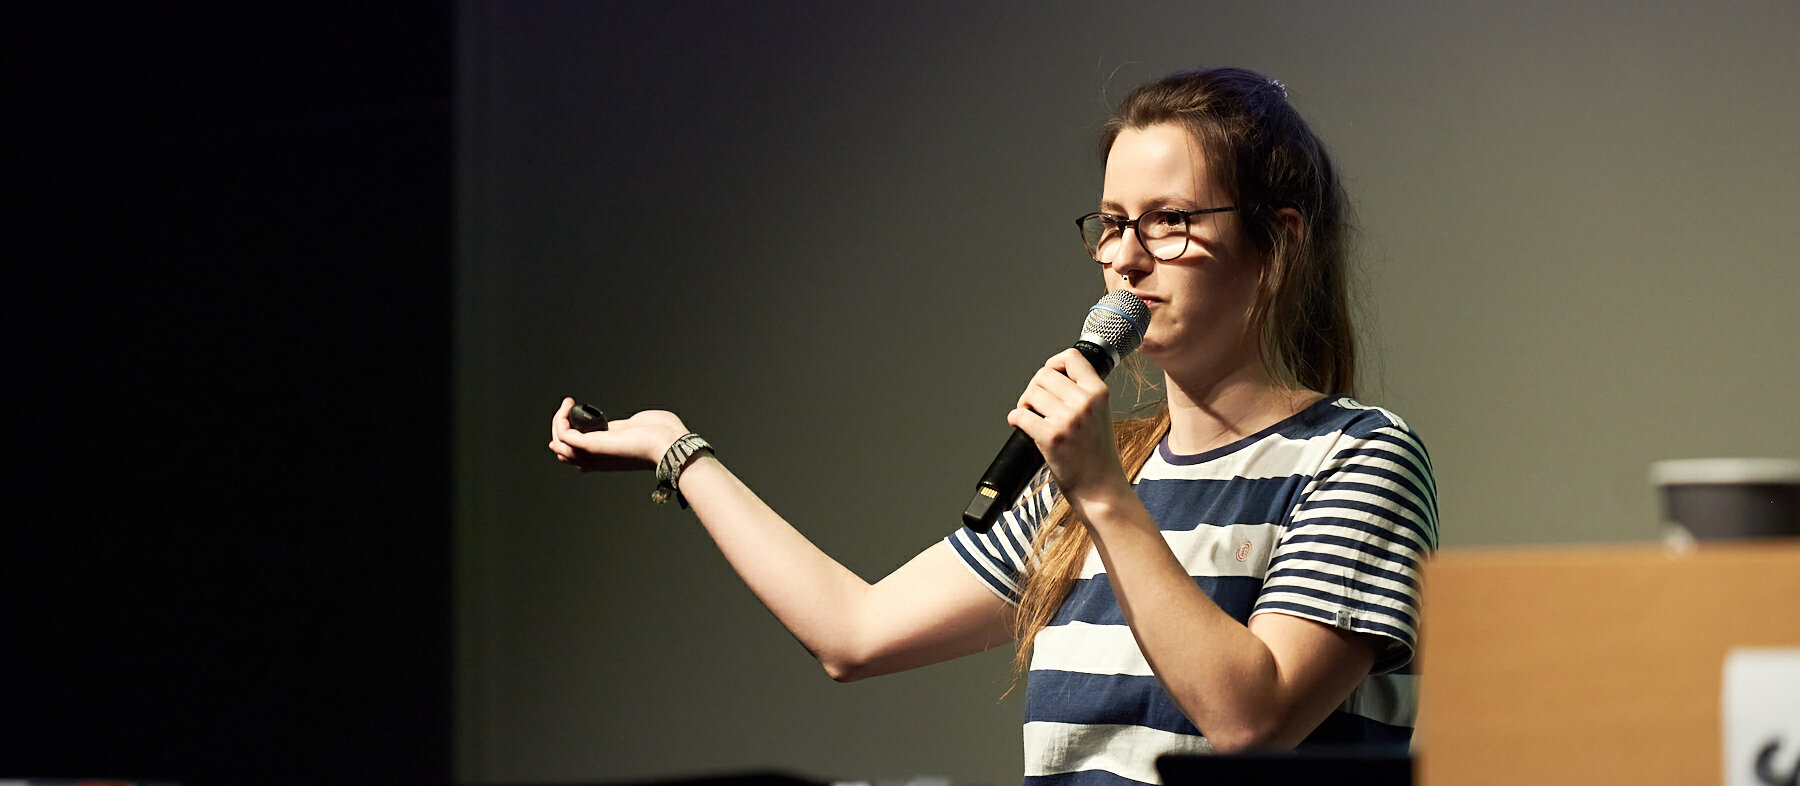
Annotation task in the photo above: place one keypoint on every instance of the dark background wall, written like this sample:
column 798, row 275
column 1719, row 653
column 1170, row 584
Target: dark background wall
column 226, row 549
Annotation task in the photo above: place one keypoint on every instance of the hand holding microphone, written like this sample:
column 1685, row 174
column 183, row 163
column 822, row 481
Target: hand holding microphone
column 1113, row 329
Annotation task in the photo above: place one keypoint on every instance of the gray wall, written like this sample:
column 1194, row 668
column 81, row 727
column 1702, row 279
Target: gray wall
column 837, row 240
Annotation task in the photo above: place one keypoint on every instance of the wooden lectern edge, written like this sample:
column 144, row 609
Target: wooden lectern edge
column 1596, row 661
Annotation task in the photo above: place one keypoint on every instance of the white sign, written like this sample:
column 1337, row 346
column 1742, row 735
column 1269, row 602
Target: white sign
column 1762, row 717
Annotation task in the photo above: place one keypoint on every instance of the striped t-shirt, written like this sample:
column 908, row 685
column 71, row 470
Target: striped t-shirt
column 1326, row 515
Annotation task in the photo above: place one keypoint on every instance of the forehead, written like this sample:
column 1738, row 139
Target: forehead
column 1148, row 167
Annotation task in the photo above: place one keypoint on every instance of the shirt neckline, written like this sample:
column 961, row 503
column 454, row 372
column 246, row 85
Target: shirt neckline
column 1305, row 415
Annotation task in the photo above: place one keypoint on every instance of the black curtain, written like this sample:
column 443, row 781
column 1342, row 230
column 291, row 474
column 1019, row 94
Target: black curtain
column 226, row 556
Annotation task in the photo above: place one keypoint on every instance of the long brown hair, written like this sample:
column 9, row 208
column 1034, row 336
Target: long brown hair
column 1265, row 157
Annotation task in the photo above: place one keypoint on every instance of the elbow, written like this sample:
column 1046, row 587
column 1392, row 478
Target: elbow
column 858, row 665
column 843, row 667
column 1249, row 738
column 846, row 656
column 842, row 671
column 1234, row 744
column 1255, row 727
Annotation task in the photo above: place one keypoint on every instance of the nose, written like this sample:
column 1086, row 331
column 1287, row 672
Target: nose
column 1132, row 258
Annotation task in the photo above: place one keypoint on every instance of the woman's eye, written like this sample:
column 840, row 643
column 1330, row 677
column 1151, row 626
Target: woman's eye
column 1165, row 219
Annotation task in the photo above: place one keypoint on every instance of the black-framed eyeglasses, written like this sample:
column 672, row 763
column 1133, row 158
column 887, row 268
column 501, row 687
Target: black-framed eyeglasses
column 1162, row 232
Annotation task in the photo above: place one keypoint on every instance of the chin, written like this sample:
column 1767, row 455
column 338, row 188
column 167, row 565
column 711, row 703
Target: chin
column 1156, row 339
column 1152, row 350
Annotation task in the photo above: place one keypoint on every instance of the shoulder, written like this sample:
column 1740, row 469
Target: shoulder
column 1355, row 425
column 1378, row 467
column 1366, row 521
column 1346, row 415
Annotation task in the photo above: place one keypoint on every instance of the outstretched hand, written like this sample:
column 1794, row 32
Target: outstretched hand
column 1066, row 411
column 637, row 442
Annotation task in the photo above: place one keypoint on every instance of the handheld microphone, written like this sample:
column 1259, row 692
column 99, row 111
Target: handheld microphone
column 1113, row 329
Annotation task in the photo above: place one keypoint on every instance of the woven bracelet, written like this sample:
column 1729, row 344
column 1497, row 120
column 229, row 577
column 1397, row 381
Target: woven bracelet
column 674, row 460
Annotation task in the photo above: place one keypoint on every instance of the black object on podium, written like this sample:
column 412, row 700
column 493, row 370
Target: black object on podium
column 1345, row 766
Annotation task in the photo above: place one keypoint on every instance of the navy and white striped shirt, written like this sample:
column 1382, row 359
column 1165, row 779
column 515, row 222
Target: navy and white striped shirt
column 1327, row 515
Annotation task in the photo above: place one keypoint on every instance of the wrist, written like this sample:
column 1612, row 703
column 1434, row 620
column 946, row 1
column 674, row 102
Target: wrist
column 1101, row 504
column 683, row 450
column 665, row 439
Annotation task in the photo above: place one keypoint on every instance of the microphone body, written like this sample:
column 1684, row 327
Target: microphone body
column 1113, row 329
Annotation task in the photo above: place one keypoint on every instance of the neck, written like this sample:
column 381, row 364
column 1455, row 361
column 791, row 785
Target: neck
column 1211, row 412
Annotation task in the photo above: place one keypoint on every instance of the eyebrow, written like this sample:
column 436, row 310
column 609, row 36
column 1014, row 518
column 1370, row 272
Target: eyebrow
column 1164, row 200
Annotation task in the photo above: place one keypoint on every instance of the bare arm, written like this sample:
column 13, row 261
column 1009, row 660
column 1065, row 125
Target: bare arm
column 929, row 610
column 1262, row 686
column 1267, row 685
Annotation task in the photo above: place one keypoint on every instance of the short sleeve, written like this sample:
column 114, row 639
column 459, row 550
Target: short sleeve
column 1351, row 553
column 998, row 557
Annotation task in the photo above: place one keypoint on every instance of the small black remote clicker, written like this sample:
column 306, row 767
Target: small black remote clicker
column 586, row 418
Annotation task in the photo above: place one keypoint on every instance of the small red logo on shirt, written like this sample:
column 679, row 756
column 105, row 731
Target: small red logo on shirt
column 1243, row 553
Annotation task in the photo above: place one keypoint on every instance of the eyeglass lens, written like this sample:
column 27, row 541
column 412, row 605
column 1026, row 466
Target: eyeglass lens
column 1163, row 233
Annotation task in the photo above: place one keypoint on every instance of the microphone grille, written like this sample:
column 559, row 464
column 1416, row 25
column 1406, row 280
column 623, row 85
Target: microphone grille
column 1118, row 321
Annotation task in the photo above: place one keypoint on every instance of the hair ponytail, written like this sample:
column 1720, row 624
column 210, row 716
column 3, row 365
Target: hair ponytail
column 1061, row 545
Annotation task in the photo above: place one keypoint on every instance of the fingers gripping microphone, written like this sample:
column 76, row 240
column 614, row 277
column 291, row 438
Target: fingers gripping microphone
column 1114, row 327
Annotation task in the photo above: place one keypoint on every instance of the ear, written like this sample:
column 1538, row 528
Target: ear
column 1292, row 223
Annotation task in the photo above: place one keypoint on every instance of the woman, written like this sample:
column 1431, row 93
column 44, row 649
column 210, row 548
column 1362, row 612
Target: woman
column 1238, row 571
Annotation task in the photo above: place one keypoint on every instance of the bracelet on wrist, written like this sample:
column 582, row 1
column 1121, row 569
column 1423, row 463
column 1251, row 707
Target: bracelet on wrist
column 674, row 460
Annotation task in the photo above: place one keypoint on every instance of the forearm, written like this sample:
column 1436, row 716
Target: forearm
column 1225, row 678
column 929, row 610
column 814, row 596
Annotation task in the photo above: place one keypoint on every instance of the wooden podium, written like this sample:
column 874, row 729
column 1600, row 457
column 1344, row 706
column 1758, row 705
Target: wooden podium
column 1591, row 665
